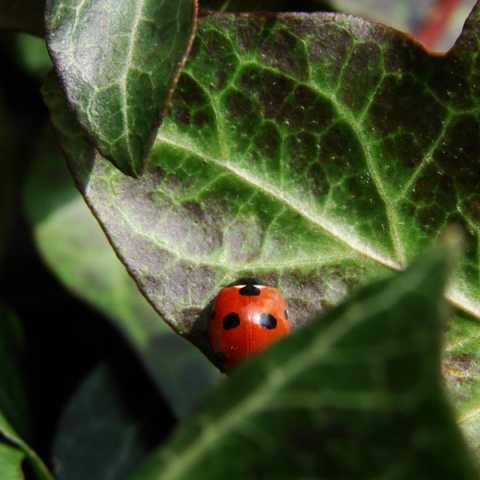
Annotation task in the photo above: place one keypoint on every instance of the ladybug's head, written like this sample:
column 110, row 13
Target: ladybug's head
column 248, row 281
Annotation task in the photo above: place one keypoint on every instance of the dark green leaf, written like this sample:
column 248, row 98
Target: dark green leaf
column 118, row 63
column 22, row 15
column 109, row 425
column 358, row 394
column 32, row 55
column 315, row 151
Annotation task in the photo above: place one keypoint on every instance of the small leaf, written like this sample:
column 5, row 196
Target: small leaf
column 118, row 63
column 111, row 422
column 358, row 394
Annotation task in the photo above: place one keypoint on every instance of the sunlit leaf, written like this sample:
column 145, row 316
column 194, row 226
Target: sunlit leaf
column 118, row 63
column 315, row 151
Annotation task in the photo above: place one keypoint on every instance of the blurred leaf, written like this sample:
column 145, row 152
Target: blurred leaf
column 11, row 462
column 358, row 394
column 118, row 63
column 75, row 248
column 282, row 158
column 109, row 425
column 22, row 15
column 462, row 371
column 31, row 53
column 13, row 414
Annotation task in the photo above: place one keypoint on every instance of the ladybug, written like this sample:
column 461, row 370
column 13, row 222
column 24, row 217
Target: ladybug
column 247, row 316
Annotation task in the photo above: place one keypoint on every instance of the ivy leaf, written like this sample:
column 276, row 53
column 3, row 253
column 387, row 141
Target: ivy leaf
column 118, row 63
column 281, row 157
column 314, row 151
column 358, row 394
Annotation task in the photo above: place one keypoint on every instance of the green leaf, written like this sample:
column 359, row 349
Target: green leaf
column 118, row 63
column 75, row 248
column 461, row 371
column 316, row 151
column 11, row 462
column 22, row 15
column 111, row 422
column 358, row 394
column 32, row 54
column 13, row 414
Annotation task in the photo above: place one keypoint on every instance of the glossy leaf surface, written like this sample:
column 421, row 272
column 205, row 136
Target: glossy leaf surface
column 118, row 63
column 358, row 394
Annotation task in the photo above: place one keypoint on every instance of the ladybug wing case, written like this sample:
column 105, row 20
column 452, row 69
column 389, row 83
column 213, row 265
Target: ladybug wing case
column 245, row 320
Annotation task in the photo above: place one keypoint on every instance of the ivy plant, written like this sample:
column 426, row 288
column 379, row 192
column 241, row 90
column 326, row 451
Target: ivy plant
column 321, row 152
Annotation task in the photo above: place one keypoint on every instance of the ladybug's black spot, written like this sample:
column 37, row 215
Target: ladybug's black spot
column 286, row 314
column 232, row 320
column 268, row 321
column 250, row 291
column 220, row 357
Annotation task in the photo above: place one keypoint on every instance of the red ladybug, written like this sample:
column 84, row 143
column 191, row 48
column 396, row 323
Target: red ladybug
column 246, row 318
